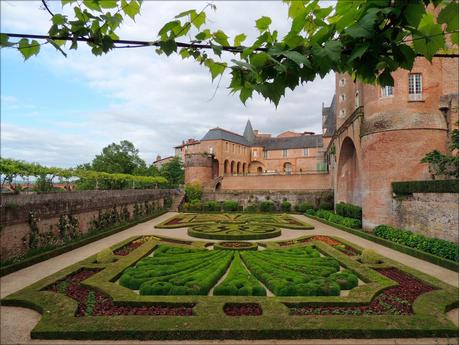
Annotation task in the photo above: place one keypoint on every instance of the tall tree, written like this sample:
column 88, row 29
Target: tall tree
column 120, row 158
column 367, row 39
column 173, row 171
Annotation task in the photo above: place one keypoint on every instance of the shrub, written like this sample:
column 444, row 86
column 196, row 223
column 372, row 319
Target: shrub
column 433, row 186
column 186, row 206
column 435, row 246
column 105, row 256
column 326, row 205
column 310, row 212
column 352, row 223
column 369, row 256
column 230, row 205
column 349, row 210
column 193, row 191
column 304, row 206
column 211, row 206
column 337, row 219
column 251, row 208
column 286, row 206
column 195, row 205
column 267, row 206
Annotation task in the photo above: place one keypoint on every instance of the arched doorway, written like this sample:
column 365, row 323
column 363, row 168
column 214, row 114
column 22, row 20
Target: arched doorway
column 255, row 168
column 259, row 170
column 348, row 176
column 244, row 168
column 225, row 167
column 232, row 171
column 287, row 168
column 238, row 169
column 218, row 186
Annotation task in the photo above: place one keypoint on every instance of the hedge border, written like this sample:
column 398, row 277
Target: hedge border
column 449, row 264
column 220, row 246
column 32, row 260
column 251, row 236
column 58, row 322
column 425, row 186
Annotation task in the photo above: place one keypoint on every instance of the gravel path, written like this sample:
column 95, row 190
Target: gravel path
column 16, row 323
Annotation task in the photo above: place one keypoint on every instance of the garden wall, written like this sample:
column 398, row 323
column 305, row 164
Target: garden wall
column 430, row 214
column 245, row 197
column 303, row 182
column 85, row 207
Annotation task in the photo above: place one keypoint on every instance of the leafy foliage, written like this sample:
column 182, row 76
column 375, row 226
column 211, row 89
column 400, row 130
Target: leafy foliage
column 173, row 172
column 193, row 191
column 435, row 246
column 367, row 39
column 337, row 219
column 349, row 210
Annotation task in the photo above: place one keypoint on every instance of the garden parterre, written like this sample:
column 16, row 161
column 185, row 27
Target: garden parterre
column 193, row 316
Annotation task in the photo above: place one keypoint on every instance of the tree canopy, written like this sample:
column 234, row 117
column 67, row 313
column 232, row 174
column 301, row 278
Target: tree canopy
column 368, row 39
column 173, row 172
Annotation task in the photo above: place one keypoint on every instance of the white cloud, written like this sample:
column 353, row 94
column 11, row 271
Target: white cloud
column 158, row 101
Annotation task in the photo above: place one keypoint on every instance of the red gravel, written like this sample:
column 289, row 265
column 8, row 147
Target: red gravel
column 397, row 301
column 127, row 248
column 174, row 221
column 104, row 305
column 242, row 309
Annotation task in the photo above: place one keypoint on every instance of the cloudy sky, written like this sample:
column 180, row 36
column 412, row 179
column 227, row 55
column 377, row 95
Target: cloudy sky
column 63, row 111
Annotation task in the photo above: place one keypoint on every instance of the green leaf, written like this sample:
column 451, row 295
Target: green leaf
column 221, row 38
column 108, row 3
column 245, row 94
column 184, row 53
column 365, row 27
column 92, row 5
column 216, row 68
column 429, row 38
column 217, row 49
column 185, row 13
column 57, row 46
column 259, row 60
column 131, row 9
column 413, row 13
column 297, row 57
column 263, row 23
column 59, row 19
column 295, row 8
column 385, row 78
column 449, row 16
column 239, row 39
column 358, row 51
column 168, row 47
column 4, row 41
column 28, row 49
column 203, row 35
column 168, row 27
column 66, row 2
column 405, row 56
column 198, row 19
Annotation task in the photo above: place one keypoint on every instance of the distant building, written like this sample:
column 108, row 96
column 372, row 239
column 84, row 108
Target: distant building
column 159, row 162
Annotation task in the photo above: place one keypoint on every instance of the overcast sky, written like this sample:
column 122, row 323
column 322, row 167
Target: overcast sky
column 63, row 111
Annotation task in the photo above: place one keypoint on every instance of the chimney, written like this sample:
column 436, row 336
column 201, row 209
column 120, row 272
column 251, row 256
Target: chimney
column 158, row 157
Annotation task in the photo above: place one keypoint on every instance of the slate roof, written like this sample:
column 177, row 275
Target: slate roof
column 330, row 118
column 223, row 134
column 249, row 139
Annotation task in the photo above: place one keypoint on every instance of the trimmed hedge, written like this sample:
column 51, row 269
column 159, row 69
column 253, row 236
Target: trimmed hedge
column 430, row 186
column 349, row 210
column 267, row 206
column 435, row 246
column 32, row 260
column 337, row 219
column 449, row 264
column 286, row 206
column 230, row 205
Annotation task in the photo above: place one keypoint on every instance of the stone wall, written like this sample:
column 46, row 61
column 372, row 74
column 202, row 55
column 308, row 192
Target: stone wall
column 303, row 182
column 48, row 208
column 277, row 196
column 430, row 214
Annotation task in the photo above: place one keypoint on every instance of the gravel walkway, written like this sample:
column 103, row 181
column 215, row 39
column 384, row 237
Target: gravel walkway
column 16, row 323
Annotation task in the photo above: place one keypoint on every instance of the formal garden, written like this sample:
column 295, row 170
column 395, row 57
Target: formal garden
column 314, row 286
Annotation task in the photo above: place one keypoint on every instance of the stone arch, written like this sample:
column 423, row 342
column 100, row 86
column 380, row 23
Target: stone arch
column 288, row 168
column 348, row 189
column 259, row 170
column 238, row 168
column 255, row 167
column 218, row 186
column 232, row 168
column 225, row 167
column 244, row 168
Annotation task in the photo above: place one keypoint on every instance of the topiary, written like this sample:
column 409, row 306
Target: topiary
column 369, row 256
column 267, row 206
column 286, row 206
column 105, row 256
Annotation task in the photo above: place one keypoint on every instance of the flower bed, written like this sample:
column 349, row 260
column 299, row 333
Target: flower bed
column 348, row 250
column 395, row 301
column 242, row 309
column 95, row 303
column 234, row 231
column 236, row 246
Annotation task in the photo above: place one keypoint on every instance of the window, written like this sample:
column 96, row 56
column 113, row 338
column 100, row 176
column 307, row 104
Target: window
column 342, row 98
column 387, row 91
column 254, row 153
column 284, row 153
column 342, row 113
column 306, row 152
column 415, row 87
column 265, row 154
column 233, row 148
column 357, row 99
column 342, row 82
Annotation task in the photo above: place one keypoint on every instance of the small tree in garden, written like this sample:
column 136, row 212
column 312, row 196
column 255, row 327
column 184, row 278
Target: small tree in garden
column 193, row 191
column 173, row 171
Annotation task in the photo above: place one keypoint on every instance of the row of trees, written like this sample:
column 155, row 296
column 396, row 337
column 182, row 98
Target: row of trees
column 117, row 167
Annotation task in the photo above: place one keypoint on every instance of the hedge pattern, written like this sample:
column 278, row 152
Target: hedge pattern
column 337, row 219
column 59, row 321
column 435, row 246
column 349, row 210
column 432, row 186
